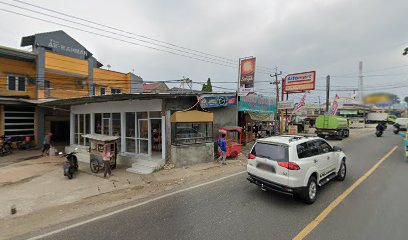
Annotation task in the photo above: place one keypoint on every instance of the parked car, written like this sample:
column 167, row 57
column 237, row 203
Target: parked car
column 295, row 164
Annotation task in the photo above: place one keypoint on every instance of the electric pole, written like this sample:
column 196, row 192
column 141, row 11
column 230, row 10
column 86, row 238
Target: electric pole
column 276, row 82
column 327, row 93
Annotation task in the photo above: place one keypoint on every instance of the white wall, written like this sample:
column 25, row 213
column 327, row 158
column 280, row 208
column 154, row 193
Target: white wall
column 119, row 106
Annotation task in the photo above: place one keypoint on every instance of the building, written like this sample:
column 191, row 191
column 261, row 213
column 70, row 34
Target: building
column 58, row 67
column 153, row 127
column 158, row 87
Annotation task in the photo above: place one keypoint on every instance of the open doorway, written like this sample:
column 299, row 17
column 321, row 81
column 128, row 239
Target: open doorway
column 60, row 130
column 156, row 127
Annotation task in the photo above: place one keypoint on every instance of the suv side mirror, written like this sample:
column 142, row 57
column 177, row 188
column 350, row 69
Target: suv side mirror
column 337, row 149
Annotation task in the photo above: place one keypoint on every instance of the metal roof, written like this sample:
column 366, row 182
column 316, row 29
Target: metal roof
column 17, row 54
column 121, row 97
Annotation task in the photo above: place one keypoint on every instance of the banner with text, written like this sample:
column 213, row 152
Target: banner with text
column 257, row 104
column 300, row 82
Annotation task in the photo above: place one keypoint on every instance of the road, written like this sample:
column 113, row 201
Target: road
column 234, row 209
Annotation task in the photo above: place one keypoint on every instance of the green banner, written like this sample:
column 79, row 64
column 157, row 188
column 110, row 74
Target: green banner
column 257, row 104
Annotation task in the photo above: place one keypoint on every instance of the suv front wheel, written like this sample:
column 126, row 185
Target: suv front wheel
column 310, row 191
column 341, row 175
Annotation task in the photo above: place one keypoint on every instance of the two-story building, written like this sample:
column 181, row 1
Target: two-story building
column 58, row 67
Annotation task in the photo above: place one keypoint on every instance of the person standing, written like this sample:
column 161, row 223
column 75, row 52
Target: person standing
column 106, row 157
column 222, row 145
column 46, row 144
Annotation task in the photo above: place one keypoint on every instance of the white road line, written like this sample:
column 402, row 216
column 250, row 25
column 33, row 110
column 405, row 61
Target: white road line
column 131, row 207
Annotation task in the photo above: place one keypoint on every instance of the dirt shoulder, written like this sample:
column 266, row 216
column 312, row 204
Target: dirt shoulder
column 59, row 201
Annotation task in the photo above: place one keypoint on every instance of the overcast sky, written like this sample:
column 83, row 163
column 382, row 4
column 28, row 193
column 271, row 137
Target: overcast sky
column 329, row 36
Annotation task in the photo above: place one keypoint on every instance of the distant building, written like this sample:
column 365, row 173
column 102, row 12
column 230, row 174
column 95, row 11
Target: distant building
column 158, row 87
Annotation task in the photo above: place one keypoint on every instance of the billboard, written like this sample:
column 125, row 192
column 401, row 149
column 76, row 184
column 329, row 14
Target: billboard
column 247, row 75
column 300, row 81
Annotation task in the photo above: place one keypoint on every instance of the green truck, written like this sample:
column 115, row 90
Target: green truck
column 332, row 126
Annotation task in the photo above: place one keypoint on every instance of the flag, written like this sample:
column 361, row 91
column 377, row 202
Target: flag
column 300, row 105
column 335, row 105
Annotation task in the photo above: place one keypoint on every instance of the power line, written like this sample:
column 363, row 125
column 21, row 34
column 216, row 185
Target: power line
column 130, row 33
column 189, row 51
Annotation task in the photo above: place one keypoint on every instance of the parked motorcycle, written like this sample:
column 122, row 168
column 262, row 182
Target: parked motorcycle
column 379, row 133
column 5, row 145
column 71, row 164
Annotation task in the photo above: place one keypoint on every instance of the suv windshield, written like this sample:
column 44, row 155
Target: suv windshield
column 271, row 151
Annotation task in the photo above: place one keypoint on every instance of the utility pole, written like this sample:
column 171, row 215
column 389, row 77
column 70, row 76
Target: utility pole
column 360, row 80
column 327, row 93
column 276, row 82
column 320, row 107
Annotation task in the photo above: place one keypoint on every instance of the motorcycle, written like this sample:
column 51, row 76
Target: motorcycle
column 379, row 133
column 5, row 145
column 71, row 164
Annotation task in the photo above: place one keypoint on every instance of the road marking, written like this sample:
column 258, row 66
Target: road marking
column 313, row 224
column 131, row 207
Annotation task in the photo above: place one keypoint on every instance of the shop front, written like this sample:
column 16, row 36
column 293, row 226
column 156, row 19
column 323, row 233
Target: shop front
column 139, row 124
column 256, row 116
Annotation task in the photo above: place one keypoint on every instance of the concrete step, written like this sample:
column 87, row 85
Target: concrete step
column 140, row 169
column 148, row 163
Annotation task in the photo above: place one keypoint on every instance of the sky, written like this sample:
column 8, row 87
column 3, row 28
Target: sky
column 327, row 36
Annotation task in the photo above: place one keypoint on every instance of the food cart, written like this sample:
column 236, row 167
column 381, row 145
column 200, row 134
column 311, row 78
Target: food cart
column 233, row 137
column 96, row 146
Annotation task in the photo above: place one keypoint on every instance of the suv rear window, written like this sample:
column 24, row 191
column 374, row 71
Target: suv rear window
column 274, row 152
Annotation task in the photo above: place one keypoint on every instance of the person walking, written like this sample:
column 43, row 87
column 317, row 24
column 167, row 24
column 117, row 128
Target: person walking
column 106, row 157
column 222, row 145
column 46, row 144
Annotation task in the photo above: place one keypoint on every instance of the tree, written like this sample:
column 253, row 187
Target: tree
column 207, row 87
column 406, row 99
column 405, row 51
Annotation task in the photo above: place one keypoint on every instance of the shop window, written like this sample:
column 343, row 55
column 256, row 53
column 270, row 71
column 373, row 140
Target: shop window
column 102, row 90
column 115, row 91
column 16, row 83
column 192, row 133
column 130, row 132
column 81, row 126
column 98, row 123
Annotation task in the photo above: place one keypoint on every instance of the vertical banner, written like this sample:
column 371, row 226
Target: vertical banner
column 247, row 76
column 335, row 105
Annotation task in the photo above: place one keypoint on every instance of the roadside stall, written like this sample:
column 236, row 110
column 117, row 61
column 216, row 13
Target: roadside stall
column 98, row 143
column 191, row 137
column 233, row 137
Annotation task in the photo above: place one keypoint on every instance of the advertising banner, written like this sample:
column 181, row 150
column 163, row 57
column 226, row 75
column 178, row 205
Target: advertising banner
column 247, row 75
column 335, row 106
column 286, row 105
column 300, row 81
column 217, row 101
column 257, row 104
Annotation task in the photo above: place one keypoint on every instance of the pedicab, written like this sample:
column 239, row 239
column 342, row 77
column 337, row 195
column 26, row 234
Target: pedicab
column 97, row 144
column 233, row 137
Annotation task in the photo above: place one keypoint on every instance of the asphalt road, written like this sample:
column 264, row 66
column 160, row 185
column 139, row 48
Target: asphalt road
column 235, row 209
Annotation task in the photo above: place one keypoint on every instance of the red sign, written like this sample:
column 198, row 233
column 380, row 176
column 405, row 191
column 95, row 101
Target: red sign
column 247, row 77
column 300, row 81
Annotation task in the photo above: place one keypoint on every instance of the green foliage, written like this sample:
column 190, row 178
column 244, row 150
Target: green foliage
column 406, row 99
column 207, row 87
column 405, row 52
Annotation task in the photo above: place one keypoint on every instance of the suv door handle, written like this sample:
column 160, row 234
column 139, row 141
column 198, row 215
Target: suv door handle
column 315, row 160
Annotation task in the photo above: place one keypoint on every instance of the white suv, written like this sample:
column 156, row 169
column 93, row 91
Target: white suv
column 295, row 164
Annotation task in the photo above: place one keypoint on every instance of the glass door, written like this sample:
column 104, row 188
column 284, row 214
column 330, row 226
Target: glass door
column 143, row 136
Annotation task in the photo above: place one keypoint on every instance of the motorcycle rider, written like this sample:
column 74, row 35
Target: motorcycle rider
column 380, row 127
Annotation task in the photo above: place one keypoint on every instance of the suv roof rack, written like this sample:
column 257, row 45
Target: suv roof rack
column 294, row 137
